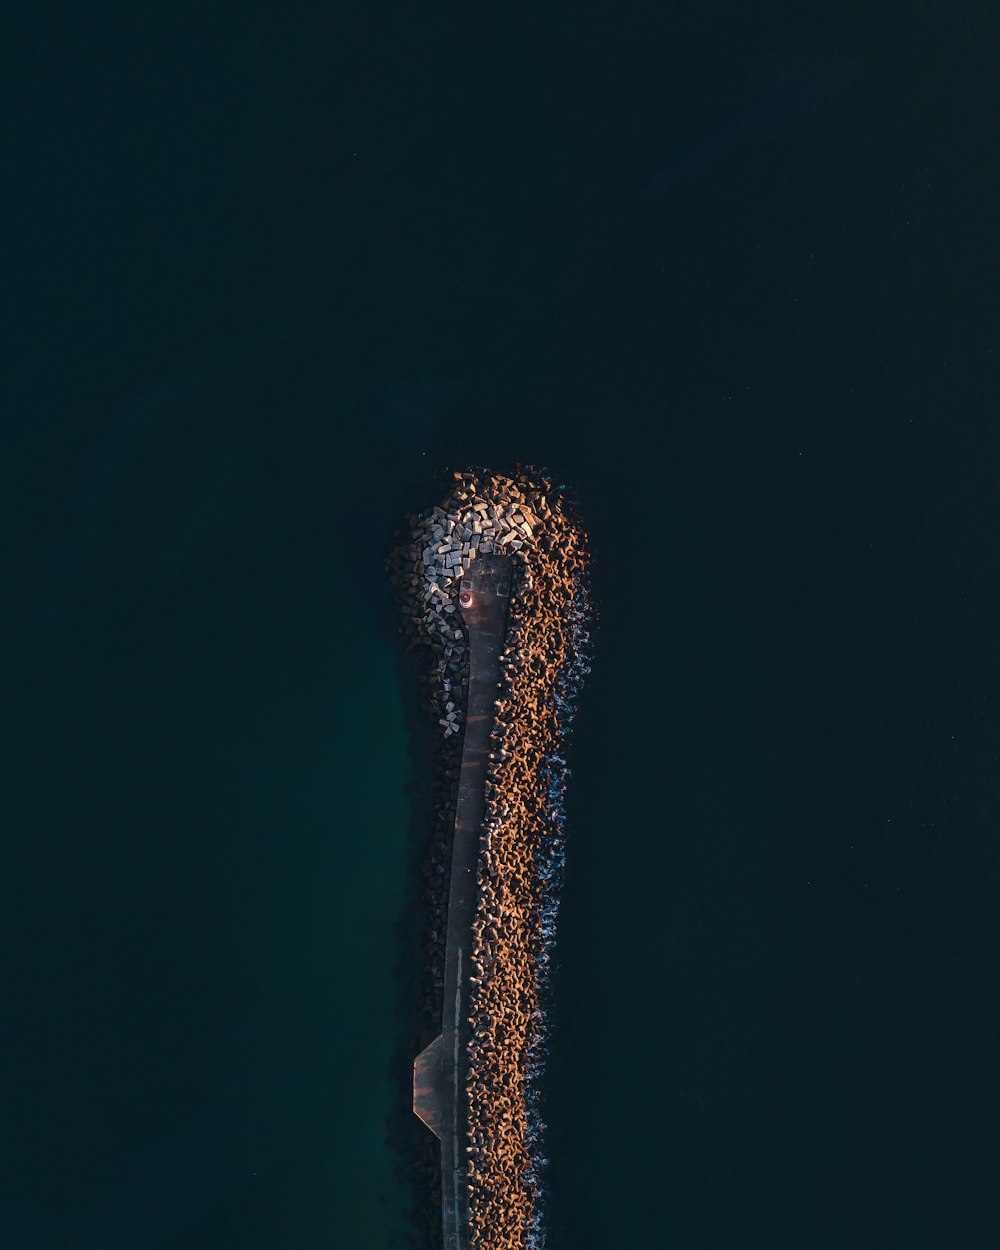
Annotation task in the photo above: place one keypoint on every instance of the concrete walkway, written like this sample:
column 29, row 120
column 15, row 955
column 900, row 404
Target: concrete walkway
column 439, row 1073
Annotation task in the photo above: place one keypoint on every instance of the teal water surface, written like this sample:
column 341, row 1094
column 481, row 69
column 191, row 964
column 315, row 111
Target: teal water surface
column 204, row 884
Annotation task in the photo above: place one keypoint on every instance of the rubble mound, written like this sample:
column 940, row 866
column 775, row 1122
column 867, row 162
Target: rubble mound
column 520, row 862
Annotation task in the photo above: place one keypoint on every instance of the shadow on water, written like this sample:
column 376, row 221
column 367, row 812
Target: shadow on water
column 414, row 1148
column 429, row 797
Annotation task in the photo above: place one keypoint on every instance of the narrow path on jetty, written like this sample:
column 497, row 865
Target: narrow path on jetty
column 439, row 1076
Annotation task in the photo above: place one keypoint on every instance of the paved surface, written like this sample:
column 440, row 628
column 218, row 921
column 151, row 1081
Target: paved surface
column 439, row 1073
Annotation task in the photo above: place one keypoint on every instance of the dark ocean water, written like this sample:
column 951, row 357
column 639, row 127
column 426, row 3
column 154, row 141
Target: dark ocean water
column 730, row 272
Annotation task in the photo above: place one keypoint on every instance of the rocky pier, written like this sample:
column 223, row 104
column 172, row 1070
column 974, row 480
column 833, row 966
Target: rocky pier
column 494, row 582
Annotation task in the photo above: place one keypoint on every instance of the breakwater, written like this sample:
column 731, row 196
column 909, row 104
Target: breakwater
column 494, row 584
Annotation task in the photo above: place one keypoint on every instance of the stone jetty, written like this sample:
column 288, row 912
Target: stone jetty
column 494, row 583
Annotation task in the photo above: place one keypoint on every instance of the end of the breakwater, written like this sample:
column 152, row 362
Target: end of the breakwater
column 494, row 582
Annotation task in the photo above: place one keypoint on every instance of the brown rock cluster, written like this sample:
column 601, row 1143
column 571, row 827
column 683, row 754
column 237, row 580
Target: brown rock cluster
column 521, row 840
